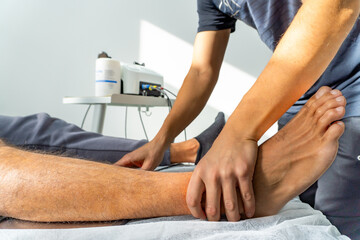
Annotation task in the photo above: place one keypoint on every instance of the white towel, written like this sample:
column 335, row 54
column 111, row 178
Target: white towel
column 296, row 220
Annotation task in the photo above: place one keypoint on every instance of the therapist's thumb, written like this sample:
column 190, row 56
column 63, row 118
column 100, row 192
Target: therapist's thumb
column 148, row 165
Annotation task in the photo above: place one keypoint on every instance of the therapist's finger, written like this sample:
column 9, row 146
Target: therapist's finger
column 194, row 194
column 240, row 202
column 230, row 200
column 148, row 165
column 125, row 162
column 212, row 205
column 247, row 195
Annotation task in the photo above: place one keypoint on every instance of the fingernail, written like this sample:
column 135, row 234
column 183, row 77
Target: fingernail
column 339, row 109
column 334, row 92
column 340, row 123
column 339, row 99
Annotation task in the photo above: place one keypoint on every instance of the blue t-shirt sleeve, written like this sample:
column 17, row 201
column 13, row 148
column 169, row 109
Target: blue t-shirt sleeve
column 211, row 18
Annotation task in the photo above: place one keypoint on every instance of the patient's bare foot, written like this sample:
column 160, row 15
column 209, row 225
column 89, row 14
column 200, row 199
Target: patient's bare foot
column 300, row 153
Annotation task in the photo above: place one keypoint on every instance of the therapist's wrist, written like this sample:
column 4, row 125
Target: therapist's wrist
column 240, row 130
column 162, row 139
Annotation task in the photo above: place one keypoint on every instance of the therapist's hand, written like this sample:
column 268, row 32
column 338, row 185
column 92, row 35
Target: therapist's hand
column 148, row 157
column 228, row 165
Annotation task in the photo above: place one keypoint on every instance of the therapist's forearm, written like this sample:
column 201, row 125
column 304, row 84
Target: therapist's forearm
column 191, row 99
column 208, row 54
column 304, row 52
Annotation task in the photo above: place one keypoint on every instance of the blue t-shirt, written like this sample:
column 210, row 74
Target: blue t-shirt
column 271, row 18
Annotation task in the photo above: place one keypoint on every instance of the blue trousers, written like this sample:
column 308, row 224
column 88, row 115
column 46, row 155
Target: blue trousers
column 44, row 133
column 337, row 192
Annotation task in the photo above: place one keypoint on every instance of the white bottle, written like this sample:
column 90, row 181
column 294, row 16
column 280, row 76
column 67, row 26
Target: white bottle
column 108, row 74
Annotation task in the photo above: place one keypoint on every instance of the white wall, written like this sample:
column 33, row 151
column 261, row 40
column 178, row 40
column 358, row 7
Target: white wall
column 48, row 51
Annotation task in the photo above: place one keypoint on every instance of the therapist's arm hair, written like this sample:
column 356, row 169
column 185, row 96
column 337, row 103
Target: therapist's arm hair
column 302, row 55
column 208, row 54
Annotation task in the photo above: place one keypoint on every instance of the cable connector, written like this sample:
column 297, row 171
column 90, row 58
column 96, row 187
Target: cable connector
column 150, row 87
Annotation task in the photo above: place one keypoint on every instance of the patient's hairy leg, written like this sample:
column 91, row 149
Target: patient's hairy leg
column 39, row 187
column 184, row 151
column 49, row 188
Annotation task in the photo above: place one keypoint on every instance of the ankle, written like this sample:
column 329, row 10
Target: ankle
column 184, row 151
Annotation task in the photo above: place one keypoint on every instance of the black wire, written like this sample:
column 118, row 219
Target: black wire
column 170, row 92
column 169, row 103
column 167, row 98
column 168, row 166
column 142, row 123
column 83, row 121
column 126, row 109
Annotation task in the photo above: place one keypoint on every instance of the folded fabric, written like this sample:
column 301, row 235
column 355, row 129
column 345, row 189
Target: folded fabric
column 296, row 220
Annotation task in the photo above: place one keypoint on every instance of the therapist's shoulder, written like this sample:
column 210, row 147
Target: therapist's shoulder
column 211, row 18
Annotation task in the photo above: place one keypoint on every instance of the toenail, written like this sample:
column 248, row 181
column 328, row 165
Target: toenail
column 339, row 109
column 334, row 92
column 319, row 93
column 339, row 99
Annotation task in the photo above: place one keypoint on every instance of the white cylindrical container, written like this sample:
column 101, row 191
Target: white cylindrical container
column 108, row 74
